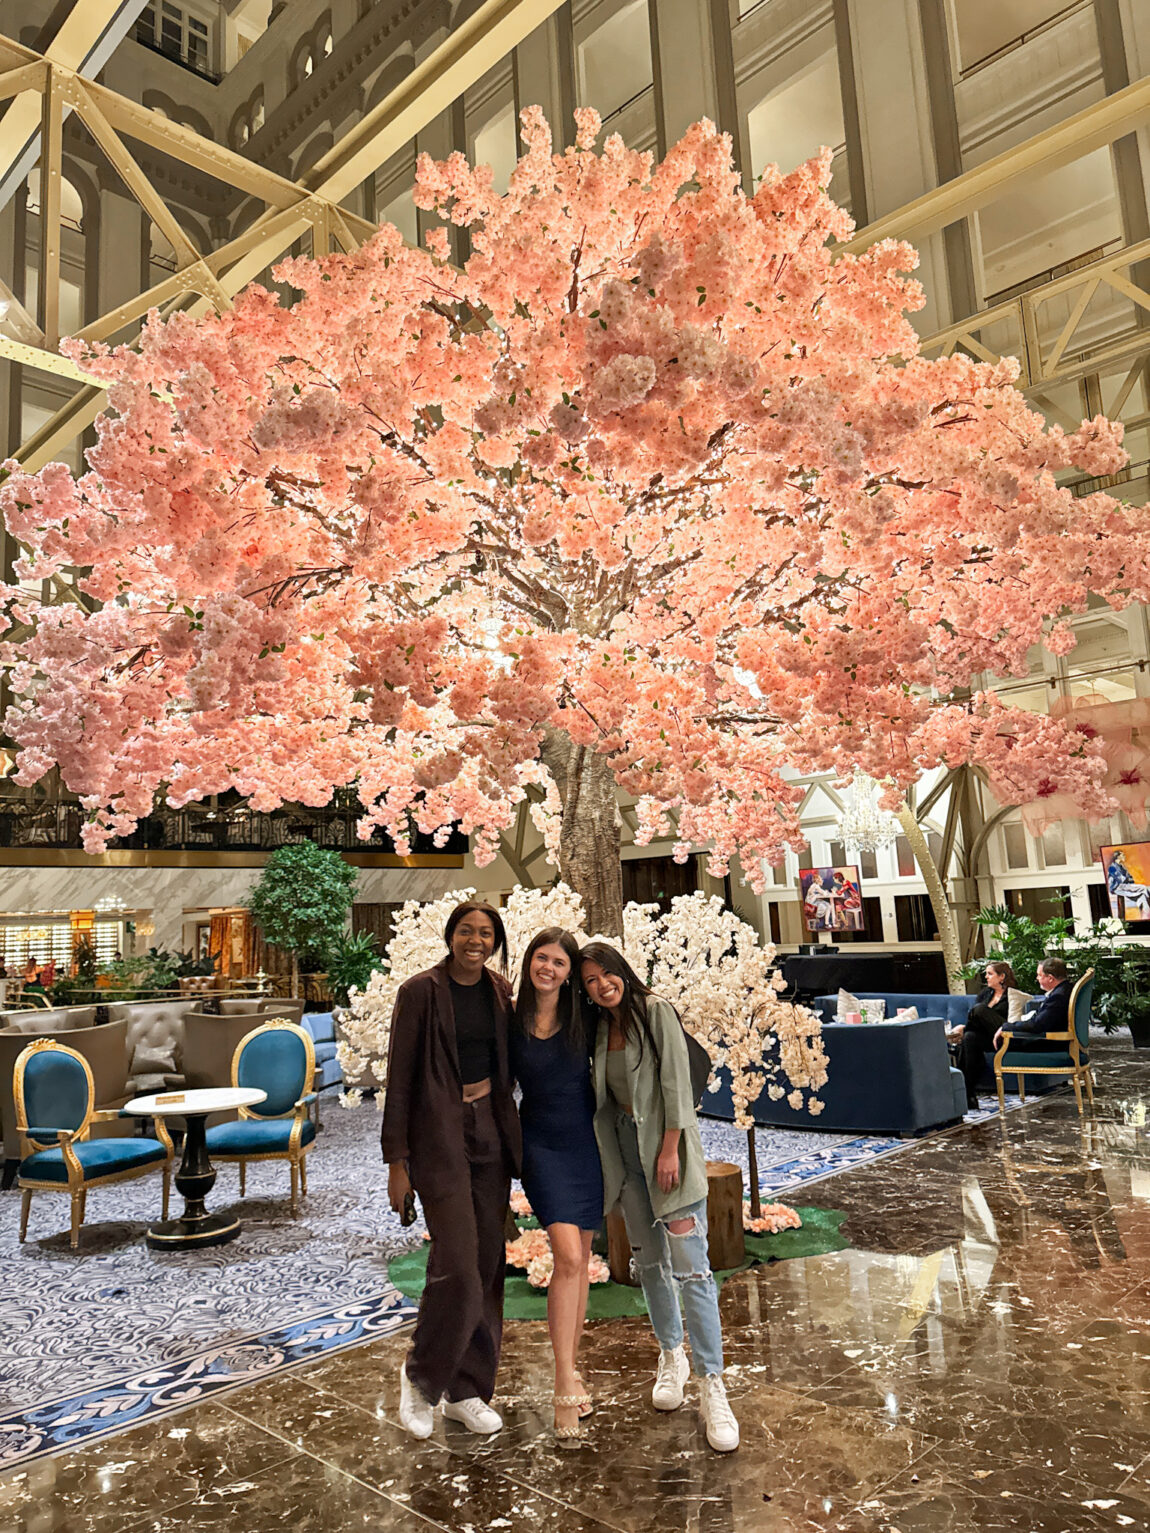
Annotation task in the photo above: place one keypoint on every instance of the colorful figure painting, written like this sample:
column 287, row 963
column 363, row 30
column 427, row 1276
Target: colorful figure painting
column 832, row 899
column 1127, row 870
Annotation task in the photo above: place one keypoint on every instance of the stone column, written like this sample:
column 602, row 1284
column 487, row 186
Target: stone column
column 544, row 74
column 894, row 124
column 693, row 63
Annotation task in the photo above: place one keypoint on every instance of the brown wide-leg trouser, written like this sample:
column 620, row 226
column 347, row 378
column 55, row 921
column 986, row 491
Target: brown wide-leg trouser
column 455, row 1349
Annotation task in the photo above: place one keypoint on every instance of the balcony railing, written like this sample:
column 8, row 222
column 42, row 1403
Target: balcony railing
column 194, row 63
column 55, row 824
column 1050, row 330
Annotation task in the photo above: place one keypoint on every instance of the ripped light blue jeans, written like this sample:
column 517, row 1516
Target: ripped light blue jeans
column 669, row 1265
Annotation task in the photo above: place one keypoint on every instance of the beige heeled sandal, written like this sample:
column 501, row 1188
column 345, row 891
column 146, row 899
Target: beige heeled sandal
column 586, row 1404
column 573, row 1436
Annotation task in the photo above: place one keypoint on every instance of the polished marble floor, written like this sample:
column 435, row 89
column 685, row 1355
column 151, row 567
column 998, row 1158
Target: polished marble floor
column 979, row 1360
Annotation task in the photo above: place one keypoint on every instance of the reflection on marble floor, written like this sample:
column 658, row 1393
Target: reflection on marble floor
column 980, row 1360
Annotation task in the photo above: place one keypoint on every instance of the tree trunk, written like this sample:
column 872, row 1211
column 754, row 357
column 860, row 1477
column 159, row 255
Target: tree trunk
column 294, row 974
column 589, row 837
column 947, row 930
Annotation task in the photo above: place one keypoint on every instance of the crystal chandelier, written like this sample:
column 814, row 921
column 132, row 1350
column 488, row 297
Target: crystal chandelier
column 862, row 824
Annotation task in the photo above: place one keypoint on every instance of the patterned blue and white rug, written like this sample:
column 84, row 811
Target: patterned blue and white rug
column 102, row 1338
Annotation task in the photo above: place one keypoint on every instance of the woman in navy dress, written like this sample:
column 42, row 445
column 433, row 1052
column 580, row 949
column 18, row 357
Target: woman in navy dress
column 562, row 1177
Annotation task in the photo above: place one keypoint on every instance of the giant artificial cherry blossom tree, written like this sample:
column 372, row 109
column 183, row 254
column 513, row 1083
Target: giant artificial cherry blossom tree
column 653, row 494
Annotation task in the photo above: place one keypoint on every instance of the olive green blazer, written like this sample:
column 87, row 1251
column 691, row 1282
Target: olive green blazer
column 661, row 1099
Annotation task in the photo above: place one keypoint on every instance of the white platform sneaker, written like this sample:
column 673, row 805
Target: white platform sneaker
column 416, row 1414
column 475, row 1414
column 718, row 1417
column 674, row 1371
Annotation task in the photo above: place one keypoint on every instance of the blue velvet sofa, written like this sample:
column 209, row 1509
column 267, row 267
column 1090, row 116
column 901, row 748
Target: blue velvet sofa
column 954, row 1009
column 886, row 1078
column 321, row 1026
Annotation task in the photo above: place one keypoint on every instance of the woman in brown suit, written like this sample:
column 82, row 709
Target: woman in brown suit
column 451, row 1134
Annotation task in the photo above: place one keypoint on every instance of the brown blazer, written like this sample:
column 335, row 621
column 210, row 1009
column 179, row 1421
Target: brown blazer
column 423, row 1102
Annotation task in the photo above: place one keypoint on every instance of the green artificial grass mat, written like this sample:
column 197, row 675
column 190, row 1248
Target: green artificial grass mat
column 608, row 1301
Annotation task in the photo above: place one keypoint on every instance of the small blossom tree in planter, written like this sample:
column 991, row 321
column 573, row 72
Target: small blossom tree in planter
column 723, row 982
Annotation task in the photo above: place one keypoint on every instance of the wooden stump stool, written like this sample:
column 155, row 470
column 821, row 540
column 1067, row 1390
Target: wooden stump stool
column 725, row 1243
column 725, row 1246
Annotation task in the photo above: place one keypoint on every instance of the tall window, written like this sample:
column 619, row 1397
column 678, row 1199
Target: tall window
column 496, row 144
column 179, row 34
column 791, row 104
column 614, row 60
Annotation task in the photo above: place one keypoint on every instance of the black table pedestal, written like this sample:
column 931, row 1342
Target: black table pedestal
column 194, row 1180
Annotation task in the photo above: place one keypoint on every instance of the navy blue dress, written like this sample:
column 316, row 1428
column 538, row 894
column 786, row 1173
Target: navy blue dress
column 562, row 1176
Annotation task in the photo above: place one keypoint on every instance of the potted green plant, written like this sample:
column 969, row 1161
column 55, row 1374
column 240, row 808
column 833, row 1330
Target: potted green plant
column 1121, row 968
column 351, row 961
column 302, row 900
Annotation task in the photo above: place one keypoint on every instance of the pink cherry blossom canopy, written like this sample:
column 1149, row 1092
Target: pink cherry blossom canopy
column 655, row 471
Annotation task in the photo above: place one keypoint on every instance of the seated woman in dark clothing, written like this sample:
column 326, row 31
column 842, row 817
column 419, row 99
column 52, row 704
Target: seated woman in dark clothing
column 986, row 1016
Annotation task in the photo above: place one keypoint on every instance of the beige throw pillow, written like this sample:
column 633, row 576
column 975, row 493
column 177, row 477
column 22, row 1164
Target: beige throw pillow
column 1017, row 1002
column 907, row 1013
column 847, row 1004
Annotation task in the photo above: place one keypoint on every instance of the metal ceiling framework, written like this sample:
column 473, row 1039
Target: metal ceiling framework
column 292, row 209
column 84, row 41
column 1049, row 330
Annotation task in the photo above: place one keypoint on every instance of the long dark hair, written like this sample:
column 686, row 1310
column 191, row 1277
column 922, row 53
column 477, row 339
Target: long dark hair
column 633, row 1009
column 569, row 1013
column 479, row 907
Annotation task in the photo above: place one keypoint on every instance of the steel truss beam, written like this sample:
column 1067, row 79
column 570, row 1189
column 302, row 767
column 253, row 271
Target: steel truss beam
column 292, row 209
column 1109, row 119
column 84, row 42
column 1052, row 333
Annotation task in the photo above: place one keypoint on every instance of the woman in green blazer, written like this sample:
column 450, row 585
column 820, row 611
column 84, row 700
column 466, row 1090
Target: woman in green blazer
column 654, row 1169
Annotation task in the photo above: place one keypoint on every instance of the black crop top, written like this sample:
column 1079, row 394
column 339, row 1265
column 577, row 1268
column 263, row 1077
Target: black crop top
column 474, row 1007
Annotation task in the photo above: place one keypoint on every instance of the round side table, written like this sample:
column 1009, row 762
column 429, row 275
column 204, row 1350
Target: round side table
column 196, row 1176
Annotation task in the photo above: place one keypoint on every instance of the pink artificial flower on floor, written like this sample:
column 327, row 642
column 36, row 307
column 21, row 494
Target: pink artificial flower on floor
column 774, row 1217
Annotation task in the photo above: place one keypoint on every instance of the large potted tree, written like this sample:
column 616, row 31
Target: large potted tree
column 302, row 900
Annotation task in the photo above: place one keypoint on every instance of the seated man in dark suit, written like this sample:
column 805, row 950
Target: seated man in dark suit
column 1049, row 1013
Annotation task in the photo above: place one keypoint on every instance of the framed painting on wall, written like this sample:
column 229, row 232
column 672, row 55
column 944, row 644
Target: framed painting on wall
column 1127, row 870
column 832, row 899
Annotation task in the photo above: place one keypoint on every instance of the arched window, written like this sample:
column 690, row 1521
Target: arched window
column 71, row 206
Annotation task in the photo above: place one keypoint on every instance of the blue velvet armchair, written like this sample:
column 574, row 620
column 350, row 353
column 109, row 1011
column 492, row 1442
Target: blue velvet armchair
column 55, row 1110
column 278, row 1058
column 1064, row 1054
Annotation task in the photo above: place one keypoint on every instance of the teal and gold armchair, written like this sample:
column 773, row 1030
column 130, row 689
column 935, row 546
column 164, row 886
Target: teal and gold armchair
column 278, row 1058
column 55, row 1109
column 1065, row 1053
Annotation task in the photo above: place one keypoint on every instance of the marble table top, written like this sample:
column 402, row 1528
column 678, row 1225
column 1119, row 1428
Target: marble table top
column 167, row 1104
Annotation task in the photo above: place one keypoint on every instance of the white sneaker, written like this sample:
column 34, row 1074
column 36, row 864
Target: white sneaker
column 718, row 1417
column 475, row 1414
column 416, row 1414
column 674, row 1371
